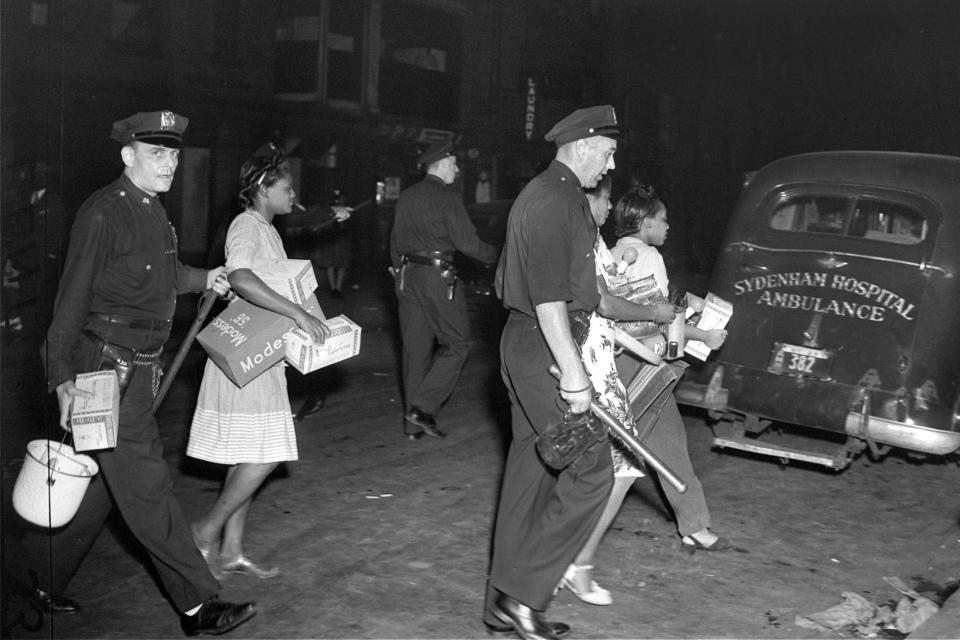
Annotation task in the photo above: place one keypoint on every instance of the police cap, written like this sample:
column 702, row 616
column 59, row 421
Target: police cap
column 437, row 151
column 585, row 123
column 164, row 128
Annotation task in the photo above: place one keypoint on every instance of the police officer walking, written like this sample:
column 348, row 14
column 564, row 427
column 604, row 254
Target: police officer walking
column 114, row 310
column 547, row 272
column 431, row 224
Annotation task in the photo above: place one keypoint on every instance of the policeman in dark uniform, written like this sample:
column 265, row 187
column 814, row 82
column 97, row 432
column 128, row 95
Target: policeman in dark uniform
column 430, row 225
column 546, row 272
column 114, row 310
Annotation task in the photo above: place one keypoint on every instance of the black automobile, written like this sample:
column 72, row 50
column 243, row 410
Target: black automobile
column 490, row 219
column 842, row 268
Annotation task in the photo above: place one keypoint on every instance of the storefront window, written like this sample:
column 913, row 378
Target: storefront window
column 420, row 61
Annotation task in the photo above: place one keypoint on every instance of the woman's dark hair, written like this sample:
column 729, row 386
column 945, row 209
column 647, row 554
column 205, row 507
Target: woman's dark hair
column 638, row 203
column 261, row 171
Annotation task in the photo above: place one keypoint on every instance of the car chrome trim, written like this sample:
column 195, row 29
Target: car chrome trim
column 922, row 265
column 900, row 434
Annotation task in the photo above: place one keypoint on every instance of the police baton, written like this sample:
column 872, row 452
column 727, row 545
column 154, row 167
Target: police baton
column 206, row 303
column 632, row 443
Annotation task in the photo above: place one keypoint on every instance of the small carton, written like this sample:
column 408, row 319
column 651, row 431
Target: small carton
column 293, row 279
column 94, row 421
column 245, row 340
column 716, row 313
column 343, row 343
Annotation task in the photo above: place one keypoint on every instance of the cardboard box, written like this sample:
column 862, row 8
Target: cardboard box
column 245, row 340
column 716, row 314
column 94, row 421
column 344, row 343
column 293, row 279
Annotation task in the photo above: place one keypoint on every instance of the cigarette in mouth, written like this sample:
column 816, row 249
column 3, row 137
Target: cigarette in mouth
column 299, row 206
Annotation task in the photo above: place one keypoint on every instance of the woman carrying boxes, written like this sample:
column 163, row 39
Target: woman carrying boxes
column 248, row 428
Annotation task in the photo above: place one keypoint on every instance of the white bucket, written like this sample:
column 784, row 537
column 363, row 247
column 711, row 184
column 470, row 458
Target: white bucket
column 51, row 483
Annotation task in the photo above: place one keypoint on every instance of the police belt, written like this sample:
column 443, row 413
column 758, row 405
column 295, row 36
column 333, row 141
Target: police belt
column 134, row 323
column 438, row 259
column 123, row 354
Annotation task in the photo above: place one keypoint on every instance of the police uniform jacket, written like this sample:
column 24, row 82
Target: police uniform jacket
column 431, row 217
column 548, row 255
column 122, row 261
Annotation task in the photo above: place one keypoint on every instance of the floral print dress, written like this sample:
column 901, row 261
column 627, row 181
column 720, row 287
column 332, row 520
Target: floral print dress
column 597, row 351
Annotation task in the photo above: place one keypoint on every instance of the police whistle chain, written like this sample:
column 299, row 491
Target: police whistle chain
column 206, row 303
column 632, row 443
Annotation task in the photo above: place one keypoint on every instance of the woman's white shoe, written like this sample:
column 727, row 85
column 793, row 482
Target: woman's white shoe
column 596, row 595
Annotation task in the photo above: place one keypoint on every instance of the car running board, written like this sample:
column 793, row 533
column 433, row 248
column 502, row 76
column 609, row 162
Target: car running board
column 785, row 454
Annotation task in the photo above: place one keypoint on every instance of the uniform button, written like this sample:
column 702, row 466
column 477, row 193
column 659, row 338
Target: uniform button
column 146, row 201
column 123, row 193
column 148, row 267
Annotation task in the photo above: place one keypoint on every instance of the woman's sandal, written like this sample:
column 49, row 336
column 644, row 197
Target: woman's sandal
column 596, row 595
column 242, row 564
column 720, row 544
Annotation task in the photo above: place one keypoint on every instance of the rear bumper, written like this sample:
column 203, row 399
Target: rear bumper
column 900, row 434
column 820, row 405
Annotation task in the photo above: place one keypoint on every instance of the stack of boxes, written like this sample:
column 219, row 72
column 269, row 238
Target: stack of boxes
column 245, row 340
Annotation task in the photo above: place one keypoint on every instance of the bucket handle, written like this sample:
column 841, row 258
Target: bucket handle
column 50, row 479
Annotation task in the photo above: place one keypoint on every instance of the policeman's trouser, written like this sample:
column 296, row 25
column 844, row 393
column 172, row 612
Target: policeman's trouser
column 428, row 317
column 135, row 477
column 544, row 518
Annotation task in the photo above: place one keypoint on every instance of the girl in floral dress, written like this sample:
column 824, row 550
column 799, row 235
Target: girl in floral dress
column 597, row 349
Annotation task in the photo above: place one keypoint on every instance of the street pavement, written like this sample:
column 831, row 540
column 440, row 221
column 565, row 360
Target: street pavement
column 378, row 536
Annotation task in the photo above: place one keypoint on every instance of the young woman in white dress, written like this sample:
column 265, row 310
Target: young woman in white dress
column 250, row 428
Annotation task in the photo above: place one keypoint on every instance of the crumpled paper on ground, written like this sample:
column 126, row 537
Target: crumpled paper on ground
column 869, row 619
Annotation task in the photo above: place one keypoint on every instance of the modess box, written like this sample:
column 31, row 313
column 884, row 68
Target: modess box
column 93, row 421
column 343, row 343
column 293, row 279
column 245, row 340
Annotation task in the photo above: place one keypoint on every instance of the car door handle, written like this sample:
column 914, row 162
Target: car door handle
column 748, row 267
column 831, row 263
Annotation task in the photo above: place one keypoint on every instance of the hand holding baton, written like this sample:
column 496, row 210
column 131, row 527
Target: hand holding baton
column 206, row 303
column 635, row 446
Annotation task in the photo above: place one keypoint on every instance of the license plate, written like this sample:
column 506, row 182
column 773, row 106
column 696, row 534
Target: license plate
column 794, row 360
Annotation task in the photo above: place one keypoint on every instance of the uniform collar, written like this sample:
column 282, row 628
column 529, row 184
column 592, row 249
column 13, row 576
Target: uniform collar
column 129, row 189
column 565, row 173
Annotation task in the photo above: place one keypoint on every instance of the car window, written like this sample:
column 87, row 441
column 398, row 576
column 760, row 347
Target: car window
column 812, row 214
column 888, row 222
column 868, row 218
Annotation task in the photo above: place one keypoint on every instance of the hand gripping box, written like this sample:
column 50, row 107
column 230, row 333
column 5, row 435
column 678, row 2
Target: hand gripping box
column 293, row 279
column 94, row 421
column 343, row 343
column 245, row 340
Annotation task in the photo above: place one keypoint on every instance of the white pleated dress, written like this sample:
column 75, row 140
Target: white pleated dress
column 250, row 424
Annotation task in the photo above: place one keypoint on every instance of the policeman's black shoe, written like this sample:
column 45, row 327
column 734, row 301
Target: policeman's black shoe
column 425, row 421
column 217, row 616
column 54, row 604
column 560, row 629
column 527, row 623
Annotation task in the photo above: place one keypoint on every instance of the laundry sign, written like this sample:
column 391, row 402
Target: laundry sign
column 530, row 109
